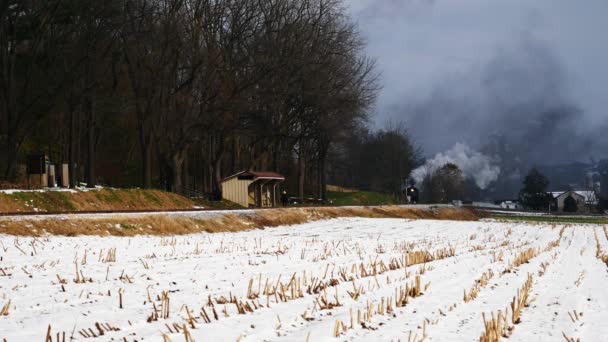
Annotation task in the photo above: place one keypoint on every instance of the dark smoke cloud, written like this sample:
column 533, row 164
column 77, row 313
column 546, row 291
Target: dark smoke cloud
column 520, row 95
column 529, row 74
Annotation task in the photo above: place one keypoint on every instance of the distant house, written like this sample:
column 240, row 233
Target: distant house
column 584, row 199
column 484, row 205
column 509, row 204
column 252, row 188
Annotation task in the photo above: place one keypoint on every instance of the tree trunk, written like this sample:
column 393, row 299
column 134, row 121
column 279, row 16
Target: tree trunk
column 205, row 169
column 236, row 167
column 71, row 149
column 321, row 169
column 216, row 167
column 90, row 109
column 91, row 177
column 164, row 171
column 323, row 180
column 301, row 174
column 217, row 155
column 210, row 187
column 185, row 172
column 146, row 159
column 12, row 153
column 177, row 163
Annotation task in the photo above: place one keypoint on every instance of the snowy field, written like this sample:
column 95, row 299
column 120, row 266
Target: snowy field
column 357, row 279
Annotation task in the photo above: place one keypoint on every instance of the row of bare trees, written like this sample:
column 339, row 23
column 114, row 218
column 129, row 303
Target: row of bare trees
column 180, row 93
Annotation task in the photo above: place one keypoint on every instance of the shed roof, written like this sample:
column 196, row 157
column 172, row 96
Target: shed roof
column 255, row 175
column 587, row 194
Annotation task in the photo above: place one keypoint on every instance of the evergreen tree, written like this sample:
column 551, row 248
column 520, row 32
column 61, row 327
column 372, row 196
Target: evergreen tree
column 534, row 193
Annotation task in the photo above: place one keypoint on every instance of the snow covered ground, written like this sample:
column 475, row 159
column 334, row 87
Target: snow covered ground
column 355, row 278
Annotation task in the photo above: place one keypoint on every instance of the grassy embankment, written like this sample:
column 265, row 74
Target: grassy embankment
column 92, row 200
column 552, row 219
column 360, row 198
column 139, row 199
column 126, row 225
column 135, row 199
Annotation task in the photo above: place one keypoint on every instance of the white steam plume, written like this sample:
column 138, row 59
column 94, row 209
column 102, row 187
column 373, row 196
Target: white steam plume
column 474, row 165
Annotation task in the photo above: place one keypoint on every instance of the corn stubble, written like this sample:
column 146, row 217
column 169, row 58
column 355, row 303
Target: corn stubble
column 502, row 324
column 358, row 279
column 599, row 253
column 385, row 306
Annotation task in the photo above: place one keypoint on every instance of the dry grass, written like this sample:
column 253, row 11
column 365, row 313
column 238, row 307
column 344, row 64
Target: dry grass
column 5, row 309
column 103, row 199
column 336, row 188
column 495, row 327
column 229, row 222
column 599, row 253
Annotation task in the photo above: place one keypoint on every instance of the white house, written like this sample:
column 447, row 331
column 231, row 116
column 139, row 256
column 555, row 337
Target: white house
column 509, row 205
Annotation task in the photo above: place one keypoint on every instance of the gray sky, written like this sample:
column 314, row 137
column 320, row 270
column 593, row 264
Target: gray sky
column 458, row 70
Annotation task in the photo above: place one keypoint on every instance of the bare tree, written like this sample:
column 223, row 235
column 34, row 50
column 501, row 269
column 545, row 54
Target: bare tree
column 207, row 87
column 31, row 36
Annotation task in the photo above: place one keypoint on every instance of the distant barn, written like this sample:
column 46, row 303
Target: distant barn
column 583, row 200
column 252, row 188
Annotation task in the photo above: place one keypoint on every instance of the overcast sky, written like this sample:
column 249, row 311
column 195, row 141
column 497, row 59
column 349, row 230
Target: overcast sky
column 478, row 57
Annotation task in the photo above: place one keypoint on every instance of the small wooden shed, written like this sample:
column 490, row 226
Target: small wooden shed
column 252, row 188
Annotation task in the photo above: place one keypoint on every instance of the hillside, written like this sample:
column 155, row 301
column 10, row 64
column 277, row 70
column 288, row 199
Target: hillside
column 91, row 200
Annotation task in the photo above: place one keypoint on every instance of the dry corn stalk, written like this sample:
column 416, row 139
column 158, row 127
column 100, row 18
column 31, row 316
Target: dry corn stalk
column 111, row 255
column 570, row 339
column 324, row 303
column 102, row 328
column 522, row 258
column 356, row 291
column 187, row 335
column 543, row 268
column 598, row 252
column 410, row 290
column 521, row 300
column 5, row 308
column 339, row 328
column 556, row 242
column 479, row 284
column 498, row 327
column 495, row 328
column 49, row 337
column 164, row 306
